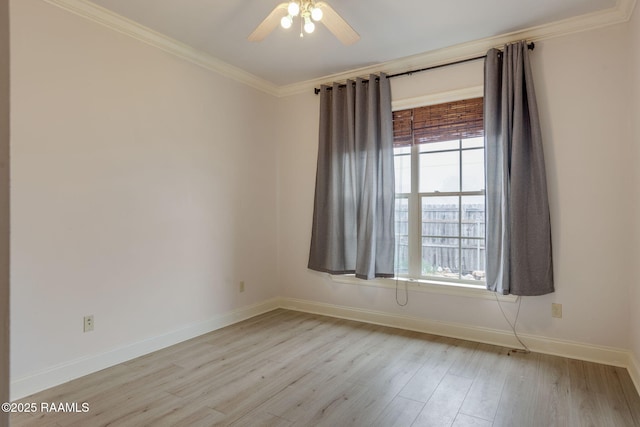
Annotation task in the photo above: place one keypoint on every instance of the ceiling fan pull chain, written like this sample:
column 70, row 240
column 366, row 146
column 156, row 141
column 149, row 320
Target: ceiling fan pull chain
column 301, row 32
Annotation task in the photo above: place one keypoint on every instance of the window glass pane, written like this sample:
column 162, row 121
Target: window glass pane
column 472, row 216
column 402, row 165
column 473, row 142
column 440, row 216
column 439, row 146
column 473, row 170
column 473, row 259
column 440, row 257
column 440, row 172
column 402, row 235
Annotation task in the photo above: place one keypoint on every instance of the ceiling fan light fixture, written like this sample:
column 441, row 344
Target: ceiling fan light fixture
column 307, row 11
column 293, row 8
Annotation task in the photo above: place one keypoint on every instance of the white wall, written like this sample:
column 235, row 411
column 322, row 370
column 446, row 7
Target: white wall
column 144, row 190
column 582, row 105
column 634, row 48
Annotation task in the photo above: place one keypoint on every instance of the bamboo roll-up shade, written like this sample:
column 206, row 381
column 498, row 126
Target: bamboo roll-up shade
column 437, row 123
column 402, row 132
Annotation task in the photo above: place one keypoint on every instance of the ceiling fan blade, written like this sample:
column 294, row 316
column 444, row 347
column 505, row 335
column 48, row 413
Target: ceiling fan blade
column 338, row 26
column 269, row 23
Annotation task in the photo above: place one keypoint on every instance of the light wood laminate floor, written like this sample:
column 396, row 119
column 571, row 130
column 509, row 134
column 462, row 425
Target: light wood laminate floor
column 286, row 368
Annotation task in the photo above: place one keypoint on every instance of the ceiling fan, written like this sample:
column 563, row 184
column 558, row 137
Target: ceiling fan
column 309, row 11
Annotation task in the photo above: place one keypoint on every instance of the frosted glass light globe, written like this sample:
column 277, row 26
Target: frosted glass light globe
column 286, row 22
column 316, row 14
column 309, row 27
column 294, row 8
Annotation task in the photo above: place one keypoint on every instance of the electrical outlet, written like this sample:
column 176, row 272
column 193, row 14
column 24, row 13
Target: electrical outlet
column 556, row 310
column 242, row 286
column 88, row 323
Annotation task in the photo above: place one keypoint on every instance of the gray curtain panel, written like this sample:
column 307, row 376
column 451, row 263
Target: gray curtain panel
column 519, row 260
column 353, row 215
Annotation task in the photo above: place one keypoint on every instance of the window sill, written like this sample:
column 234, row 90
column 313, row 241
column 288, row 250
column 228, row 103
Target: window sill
column 456, row 289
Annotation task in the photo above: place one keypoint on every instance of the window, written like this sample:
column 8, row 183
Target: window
column 440, row 214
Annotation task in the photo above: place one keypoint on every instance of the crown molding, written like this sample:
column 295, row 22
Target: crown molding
column 109, row 19
column 621, row 12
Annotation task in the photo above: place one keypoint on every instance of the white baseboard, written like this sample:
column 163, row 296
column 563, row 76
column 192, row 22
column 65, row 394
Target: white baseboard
column 591, row 353
column 73, row 369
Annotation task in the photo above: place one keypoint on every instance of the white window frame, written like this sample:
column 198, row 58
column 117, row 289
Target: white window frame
column 414, row 199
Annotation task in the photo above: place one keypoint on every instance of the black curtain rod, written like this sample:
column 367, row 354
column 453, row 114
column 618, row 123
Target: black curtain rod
column 531, row 46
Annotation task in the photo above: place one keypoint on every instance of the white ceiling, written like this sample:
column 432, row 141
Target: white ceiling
column 389, row 30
